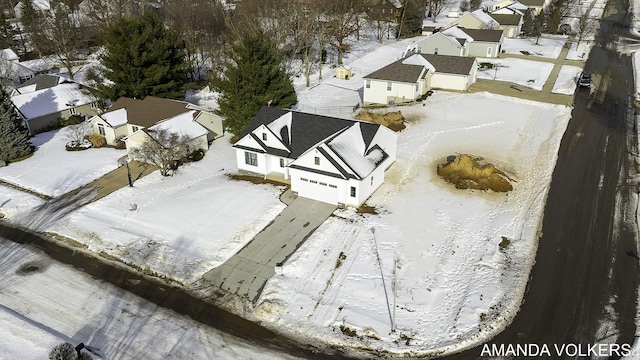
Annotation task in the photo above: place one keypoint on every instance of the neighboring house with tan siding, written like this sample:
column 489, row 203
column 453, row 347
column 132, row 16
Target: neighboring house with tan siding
column 408, row 79
column 133, row 120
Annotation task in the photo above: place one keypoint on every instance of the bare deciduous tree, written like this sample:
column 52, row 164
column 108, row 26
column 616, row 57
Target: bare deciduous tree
column 436, row 7
column 586, row 25
column 163, row 149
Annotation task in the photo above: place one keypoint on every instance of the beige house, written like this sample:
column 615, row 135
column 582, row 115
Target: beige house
column 408, row 79
column 42, row 101
column 475, row 20
column 133, row 120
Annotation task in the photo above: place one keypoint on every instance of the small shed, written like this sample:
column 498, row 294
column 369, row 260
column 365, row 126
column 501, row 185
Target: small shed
column 344, row 72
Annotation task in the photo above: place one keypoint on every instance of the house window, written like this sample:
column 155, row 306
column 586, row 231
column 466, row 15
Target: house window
column 264, row 136
column 250, row 158
column 281, row 162
column 372, row 181
column 489, row 51
column 313, row 181
column 134, row 128
column 388, row 85
column 304, row 179
column 316, row 160
column 435, row 51
column 101, row 129
column 323, row 184
column 333, row 186
column 368, row 84
column 416, row 87
column 72, row 111
column 353, row 191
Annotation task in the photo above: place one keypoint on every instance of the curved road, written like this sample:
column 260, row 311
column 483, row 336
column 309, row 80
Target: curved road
column 584, row 285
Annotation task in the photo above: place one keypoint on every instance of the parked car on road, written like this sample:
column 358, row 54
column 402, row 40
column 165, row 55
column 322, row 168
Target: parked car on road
column 584, row 80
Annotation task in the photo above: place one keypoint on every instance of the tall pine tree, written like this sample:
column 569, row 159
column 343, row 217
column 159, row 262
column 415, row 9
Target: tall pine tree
column 254, row 76
column 144, row 57
column 14, row 138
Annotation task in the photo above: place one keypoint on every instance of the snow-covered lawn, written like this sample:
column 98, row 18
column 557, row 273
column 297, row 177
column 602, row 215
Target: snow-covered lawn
column 53, row 171
column 548, row 46
column 438, row 246
column 178, row 226
column 529, row 73
column 566, row 81
column 41, row 309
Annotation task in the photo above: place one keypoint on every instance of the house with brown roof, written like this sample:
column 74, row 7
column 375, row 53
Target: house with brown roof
column 511, row 24
column 131, row 119
column 408, row 79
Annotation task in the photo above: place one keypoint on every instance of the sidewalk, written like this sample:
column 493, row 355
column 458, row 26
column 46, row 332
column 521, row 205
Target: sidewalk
column 523, row 92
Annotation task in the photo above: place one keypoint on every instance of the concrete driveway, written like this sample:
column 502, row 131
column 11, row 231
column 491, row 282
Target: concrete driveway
column 246, row 272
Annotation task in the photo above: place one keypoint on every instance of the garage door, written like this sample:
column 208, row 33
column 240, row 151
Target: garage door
column 318, row 190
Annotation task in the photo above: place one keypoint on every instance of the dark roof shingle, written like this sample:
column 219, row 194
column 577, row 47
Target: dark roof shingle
column 150, row 110
column 397, row 71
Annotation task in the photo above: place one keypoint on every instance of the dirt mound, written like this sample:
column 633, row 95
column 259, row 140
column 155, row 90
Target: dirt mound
column 392, row 120
column 468, row 172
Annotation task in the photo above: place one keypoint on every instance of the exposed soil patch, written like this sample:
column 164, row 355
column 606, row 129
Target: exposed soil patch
column 469, row 172
column 366, row 209
column 254, row 179
column 393, row 120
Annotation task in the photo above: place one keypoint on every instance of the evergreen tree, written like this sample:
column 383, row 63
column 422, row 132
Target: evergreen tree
column 528, row 22
column 411, row 20
column 14, row 138
column 144, row 57
column 254, row 76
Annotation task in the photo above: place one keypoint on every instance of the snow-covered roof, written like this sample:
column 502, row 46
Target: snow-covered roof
column 457, row 33
column 350, row 148
column 484, row 18
column 115, row 118
column 182, row 124
column 52, row 100
column 8, row 54
column 418, row 59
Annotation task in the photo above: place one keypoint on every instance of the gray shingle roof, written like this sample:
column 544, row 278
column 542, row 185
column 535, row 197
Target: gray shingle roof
column 530, row 3
column 507, row 19
column 487, row 35
column 307, row 130
column 447, row 64
column 43, row 81
column 397, row 71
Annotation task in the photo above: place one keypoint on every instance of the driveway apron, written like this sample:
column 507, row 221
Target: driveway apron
column 246, row 272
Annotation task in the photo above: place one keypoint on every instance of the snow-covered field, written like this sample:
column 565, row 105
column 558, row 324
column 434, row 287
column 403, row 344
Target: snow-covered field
column 53, row 171
column 438, row 247
column 448, row 282
column 56, row 304
column 529, row 73
column 567, row 80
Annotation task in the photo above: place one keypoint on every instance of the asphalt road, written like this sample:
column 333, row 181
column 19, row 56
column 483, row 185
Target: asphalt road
column 584, row 286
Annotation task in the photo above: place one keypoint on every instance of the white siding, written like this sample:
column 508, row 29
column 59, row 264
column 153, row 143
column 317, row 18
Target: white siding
column 400, row 92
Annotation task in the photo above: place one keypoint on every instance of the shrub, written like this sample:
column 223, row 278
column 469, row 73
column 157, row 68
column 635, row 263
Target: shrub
column 196, row 155
column 71, row 120
column 77, row 146
column 96, row 140
column 120, row 144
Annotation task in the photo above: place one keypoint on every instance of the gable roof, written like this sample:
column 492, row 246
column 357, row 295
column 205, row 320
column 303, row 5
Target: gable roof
column 446, row 64
column 484, row 18
column 485, row 35
column 51, row 100
column 150, row 110
column 532, row 3
column 300, row 132
column 507, row 19
column 398, row 71
column 40, row 82
column 182, row 124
